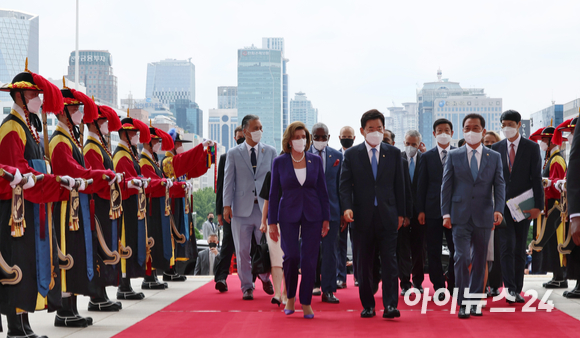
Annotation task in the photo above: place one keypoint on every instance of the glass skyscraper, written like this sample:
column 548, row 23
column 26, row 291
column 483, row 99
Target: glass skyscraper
column 227, row 97
column 18, row 40
column 170, row 80
column 278, row 44
column 96, row 72
column 301, row 109
column 188, row 116
column 260, row 90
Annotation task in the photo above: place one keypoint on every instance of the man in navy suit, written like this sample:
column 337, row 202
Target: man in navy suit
column 331, row 164
column 472, row 202
column 429, row 205
column 372, row 194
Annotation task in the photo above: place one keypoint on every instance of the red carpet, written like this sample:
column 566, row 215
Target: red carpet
column 206, row 312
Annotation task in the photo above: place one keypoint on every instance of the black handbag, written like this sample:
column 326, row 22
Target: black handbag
column 260, row 256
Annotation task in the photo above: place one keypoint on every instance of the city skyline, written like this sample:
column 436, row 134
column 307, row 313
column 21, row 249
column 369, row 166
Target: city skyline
column 500, row 47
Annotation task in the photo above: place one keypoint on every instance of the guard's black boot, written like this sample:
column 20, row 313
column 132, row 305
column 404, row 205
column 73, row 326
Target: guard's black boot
column 125, row 291
column 172, row 276
column 66, row 316
column 152, row 283
column 18, row 326
column 102, row 303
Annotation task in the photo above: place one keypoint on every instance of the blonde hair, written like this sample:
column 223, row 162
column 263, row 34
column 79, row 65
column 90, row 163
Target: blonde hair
column 289, row 134
column 496, row 135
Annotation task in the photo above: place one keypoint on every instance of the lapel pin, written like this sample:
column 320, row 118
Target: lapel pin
column 488, row 154
column 383, row 155
column 262, row 150
column 309, row 161
column 329, row 155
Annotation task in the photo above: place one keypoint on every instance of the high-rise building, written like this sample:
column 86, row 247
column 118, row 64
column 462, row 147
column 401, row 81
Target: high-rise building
column 170, row 80
column 188, row 115
column 402, row 119
column 96, row 72
column 222, row 123
column 260, row 90
column 552, row 115
column 18, row 41
column 444, row 99
column 301, row 109
column 278, row 44
column 227, row 97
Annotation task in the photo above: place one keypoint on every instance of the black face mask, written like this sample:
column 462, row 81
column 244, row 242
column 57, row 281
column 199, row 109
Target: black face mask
column 240, row 140
column 210, row 219
column 346, row 142
column 489, row 146
column 213, row 245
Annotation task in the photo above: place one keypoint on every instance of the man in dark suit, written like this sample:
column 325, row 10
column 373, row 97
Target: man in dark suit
column 227, row 250
column 573, row 187
column 429, row 205
column 207, row 258
column 472, row 201
column 522, row 170
column 331, row 163
column 411, row 239
column 372, row 194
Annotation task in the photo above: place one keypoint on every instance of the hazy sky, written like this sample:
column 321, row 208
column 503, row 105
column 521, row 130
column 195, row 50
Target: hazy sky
column 347, row 56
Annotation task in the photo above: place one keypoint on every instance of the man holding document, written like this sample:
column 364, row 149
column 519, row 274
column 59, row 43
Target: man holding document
column 522, row 170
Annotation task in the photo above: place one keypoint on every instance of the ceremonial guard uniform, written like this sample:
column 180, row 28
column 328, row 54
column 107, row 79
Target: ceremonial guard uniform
column 550, row 232
column 159, row 225
column 108, row 208
column 180, row 166
column 133, row 228
column 74, row 218
column 25, row 236
column 568, row 247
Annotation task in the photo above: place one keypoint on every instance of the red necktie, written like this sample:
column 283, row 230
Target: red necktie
column 512, row 156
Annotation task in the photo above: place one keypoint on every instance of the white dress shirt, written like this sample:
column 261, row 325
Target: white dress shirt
column 301, row 175
column 322, row 154
column 256, row 149
column 369, row 151
column 211, row 257
column 441, row 151
column 479, row 151
column 516, row 144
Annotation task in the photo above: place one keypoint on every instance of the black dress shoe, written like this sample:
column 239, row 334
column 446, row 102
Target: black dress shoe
column 474, row 312
column 104, row 306
column 420, row 288
column 328, row 297
column 221, row 286
column 493, row 292
column 511, row 297
column 173, row 277
column 519, row 298
column 248, row 295
column 441, row 296
column 316, row 292
column 129, row 295
column 554, row 284
column 154, row 285
column 391, row 312
column 268, row 287
column 368, row 313
column 404, row 291
column 463, row 314
column 340, row 284
column 575, row 293
column 356, row 283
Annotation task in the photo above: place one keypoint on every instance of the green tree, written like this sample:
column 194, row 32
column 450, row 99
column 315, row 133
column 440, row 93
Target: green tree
column 203, row 203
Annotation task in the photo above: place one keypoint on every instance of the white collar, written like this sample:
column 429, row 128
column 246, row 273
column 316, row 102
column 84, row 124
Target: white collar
column 554, row 150
column 146, row 152
column 124, row 144
column 20, row 112
column 441, row 149
column 369, row 147
column 95, row 136
column 249, row 147
column 516, row 143
column 64, row 128
column 478, row 149
column 320, row 151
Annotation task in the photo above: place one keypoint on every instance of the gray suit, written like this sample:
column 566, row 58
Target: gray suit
column 471, row 204
column 202, row 266
column 241, row 193
column 208, row 229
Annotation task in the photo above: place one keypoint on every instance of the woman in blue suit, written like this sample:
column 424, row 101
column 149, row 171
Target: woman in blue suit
column 302, row 211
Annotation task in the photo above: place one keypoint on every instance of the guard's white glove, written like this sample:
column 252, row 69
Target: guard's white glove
column 134, row 184
column 208, row 143
column 189, row 186
column 82, row 185
column 119, row 178
column 169, row 183
column 71, row 182
column 547, row 182
column 112, row 180
column 17, row 179
column 30, row 183
column 560, row 185
column 145, row 184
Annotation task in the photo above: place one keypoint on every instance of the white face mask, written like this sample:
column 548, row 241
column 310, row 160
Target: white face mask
column 299, row 145
column 157, row 147
column 77, row 117
column 375, row 138
column 472, row 137
column 320, row 145
column 410, row 151
column 104, row 128
column 135, row 140
column 543, row 146
column 443, row 138
column 256, row 136
column 179, row 149
column 34, row 105
column 509, row 132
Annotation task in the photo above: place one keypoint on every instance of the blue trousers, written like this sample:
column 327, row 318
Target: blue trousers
column 328, row 250
column 471, row 245
column 300, row 253
column 341, row 252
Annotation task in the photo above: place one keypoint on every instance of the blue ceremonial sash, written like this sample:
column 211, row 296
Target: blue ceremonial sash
column 165, row 231
column 185, row 221
column 42, row 246
column 141, row 242
column 86, row 214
